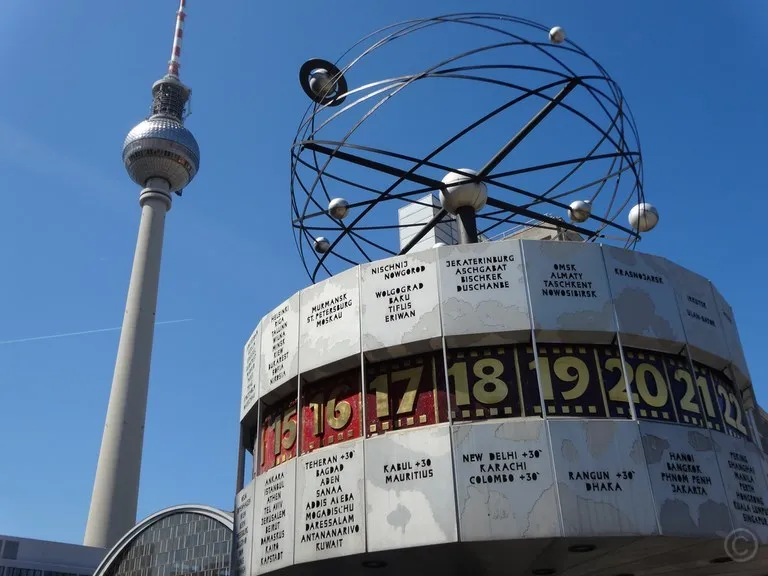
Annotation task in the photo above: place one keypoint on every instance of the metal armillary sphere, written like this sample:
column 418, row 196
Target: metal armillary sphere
column 506, row 123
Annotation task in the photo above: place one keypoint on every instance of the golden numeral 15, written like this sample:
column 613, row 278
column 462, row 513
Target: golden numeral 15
column 284, row 433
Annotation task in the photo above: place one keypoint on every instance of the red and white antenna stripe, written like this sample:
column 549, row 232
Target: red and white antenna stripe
column 175, row 63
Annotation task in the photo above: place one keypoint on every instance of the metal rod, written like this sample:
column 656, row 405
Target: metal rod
column 532, row 123
column 423, row 180
column 423, row 232
column 467, row 220
column 541, row 217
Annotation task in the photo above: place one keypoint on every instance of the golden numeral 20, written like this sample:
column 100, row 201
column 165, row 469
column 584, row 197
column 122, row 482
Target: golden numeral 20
column 730, row 399
column 566, row 369
column 380, row 385
column 640, row 377
column 284, row 434
column 489, row 388
column 337, row 414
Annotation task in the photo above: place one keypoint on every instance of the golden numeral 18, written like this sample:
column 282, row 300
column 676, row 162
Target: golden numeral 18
column 337, row 414
column 730, row 399
column 566, row 369
column 686, row 402
column 489, row 388
column 619, row 392
column 284, row 432
column 381, row 386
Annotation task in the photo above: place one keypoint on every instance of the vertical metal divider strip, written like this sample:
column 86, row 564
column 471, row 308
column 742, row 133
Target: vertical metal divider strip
column 363, row 392
column 730, row 365
column 632, row 410
column 298, row 426
column 444, row 350
column 544, row 416
column 689, row 356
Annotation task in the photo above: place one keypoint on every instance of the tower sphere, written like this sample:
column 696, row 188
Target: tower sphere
column 161, row 147
column 338, row 208
column 556, row 35
column 321, row 82
column 322, row 245
column 580, row 210
column 643, row 217
column 465, row 193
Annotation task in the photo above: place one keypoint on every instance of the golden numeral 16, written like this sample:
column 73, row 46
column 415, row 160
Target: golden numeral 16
column 567, row 369
column 337, row 414
column 686, row 402
column 489, row 388
column 619, row 392
column 730, row 399
column 284, row 432
column 381, row 386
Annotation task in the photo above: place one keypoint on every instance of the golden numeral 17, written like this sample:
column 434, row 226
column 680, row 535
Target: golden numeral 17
column 380, row 385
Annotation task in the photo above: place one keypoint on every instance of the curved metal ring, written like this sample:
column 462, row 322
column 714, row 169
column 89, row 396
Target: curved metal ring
column 337, row 96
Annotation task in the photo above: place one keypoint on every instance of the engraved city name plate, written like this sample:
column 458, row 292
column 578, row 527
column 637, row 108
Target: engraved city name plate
column 570, row 298
column 703, row 326
column 251, row 359
column 330, row 503
column 279, row 345
column 504, row 481
column 602, row 479
column 745, row 484
column 244, row 528
column 482, row 289
column 732, row 340
column 685, row 479
column 274, row 498
column 409, row 489
column 644, row 299
column 400, row 303
column 329, row 321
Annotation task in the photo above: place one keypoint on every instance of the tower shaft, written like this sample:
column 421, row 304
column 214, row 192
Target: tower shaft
column 116, row 487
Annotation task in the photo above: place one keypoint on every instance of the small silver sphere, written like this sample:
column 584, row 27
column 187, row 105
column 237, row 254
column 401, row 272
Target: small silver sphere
column 556, row 35
column 580, row 210
column 338, row 208
column 161, row 147
column 643, row 217
column 322, row 245
column 321, row 82
column 455, row 196
column 439, row 244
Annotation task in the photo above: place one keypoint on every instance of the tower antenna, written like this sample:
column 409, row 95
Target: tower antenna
column 175, row 62
column 162, row 157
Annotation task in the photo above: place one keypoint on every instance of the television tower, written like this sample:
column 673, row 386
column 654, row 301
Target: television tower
column 162, row 156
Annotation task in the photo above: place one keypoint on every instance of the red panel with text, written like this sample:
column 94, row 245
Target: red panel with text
column 331, row 411
column 278, row 434
column 405, row 393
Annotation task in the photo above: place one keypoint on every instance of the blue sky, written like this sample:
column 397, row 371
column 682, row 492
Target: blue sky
column 76, row 78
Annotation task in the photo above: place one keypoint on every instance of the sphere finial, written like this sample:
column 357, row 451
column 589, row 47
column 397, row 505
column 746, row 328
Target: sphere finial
column 557, row 35
column 643, row 217
column 338, row 208
column 460, row 191
column 580, row 210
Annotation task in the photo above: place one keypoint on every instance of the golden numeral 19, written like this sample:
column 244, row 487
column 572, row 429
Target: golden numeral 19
column 284, row 433
column 337, row 414
column 381, row 386
column 619, row 392
column 686, row 402
column 730, row 399
column 489, row 388
column 567, row 369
